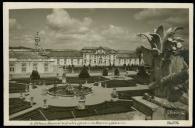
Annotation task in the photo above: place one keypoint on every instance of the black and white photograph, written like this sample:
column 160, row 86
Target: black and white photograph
column 98, row 64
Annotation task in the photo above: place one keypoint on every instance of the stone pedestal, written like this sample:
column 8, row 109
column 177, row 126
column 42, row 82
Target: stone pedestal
column 31, row 101
column 99, row 84
column 27, row 88
column 114, row 95
column 105, row 86
column 21, row 95
column 27, row 97
column 81, row 104
column 64, row 78
column 64, row 75
column 45, row 105
column 30, row 87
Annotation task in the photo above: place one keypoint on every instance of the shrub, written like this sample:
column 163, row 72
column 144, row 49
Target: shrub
column 116, row 72
column 35, row 75
column 84, row 73
column 142, row 72
column 105, row 72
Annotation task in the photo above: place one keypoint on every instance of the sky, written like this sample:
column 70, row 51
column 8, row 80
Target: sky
column 78, row 28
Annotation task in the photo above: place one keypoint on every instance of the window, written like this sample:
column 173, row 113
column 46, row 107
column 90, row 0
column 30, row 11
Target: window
column 58, row 61
column 11, row 68
column 64, row 61
column 46, row 67
column 85, row 61
column 78, row 62
column 71, row 61
column 23, row 67
column 35, row 66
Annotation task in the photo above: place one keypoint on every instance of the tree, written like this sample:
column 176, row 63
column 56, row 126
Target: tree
column 35, row 75
column 72, row 68
column 84, row 73
column 125, row 67
column 116, row 72
column 105, row 72
column 166, row 64
column 142, row 72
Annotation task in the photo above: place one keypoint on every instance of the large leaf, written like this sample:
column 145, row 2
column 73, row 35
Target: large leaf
column 149, row 38
column 160, row 31
column 156, row 40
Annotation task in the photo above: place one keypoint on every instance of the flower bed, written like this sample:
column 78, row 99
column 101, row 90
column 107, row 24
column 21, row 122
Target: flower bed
column 60, row 113
column 119, row 83
column 17, row 104
column 140, row 80
column 16, row 88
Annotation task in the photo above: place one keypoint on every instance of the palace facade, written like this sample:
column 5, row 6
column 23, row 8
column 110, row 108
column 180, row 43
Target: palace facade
column 23, row 60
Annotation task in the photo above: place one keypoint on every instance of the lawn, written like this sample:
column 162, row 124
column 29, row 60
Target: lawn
column 140, row 80
column 19, row 85
column 52, row 80
column 92, row 79
column 59, row 113
column 130, row 93
column 33, row 115
column 16, row 88
column 17, row 104
column 118, row 83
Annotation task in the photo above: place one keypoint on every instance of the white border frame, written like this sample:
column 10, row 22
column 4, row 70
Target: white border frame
column 36, row 5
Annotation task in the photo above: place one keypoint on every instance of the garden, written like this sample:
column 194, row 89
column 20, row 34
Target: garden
column 20, row 84
column 59, row 113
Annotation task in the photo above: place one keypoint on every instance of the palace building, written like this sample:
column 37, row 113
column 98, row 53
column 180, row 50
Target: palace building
column 23, row 60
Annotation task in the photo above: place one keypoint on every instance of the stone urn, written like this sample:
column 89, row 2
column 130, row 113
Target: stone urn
column 81, row 102
column 45, row 105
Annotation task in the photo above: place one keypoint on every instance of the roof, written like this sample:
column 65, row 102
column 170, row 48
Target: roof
column 19, row 47
column 25, row 55
column 126, row 54
column 68, row 53
column 93, row 49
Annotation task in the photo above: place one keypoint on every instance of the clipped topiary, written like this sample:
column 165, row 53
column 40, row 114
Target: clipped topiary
column 116, row 72
column 84, row 73
column 105, row 72
column 35, row 75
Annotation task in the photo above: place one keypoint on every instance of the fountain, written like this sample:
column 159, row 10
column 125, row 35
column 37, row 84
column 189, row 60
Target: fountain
column 65, row 94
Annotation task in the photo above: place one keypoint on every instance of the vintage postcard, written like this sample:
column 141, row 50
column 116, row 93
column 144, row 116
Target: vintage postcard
column 108, row 64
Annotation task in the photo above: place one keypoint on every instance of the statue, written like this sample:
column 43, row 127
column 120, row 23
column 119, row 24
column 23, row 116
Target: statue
column 169, row 70
column 64, row 75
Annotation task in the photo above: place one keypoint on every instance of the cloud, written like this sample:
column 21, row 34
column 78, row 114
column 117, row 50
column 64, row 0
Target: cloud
column 163, row 16
column 60, row 20
column 167, row 18
column 146, row 14
column 65, row 31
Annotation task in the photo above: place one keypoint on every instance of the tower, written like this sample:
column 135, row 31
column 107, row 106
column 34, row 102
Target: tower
column 38, row 48
column 37, row 40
